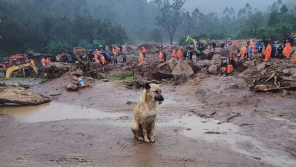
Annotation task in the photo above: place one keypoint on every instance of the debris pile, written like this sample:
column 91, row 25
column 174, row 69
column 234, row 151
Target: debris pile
column 21, row 96
column 276, row 75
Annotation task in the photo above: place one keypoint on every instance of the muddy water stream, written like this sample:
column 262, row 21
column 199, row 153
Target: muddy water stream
column 55, row 112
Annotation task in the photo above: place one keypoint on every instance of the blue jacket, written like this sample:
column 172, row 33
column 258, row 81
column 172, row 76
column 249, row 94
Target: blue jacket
column 109, row 56
column 249, row 49
column 115, row 57
column 257, row 45
column 124, row 56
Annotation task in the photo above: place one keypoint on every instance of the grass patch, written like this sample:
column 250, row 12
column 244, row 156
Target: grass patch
column 123, row 77
column 41, row 80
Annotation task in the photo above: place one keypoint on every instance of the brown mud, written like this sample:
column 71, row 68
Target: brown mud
column 208, row 121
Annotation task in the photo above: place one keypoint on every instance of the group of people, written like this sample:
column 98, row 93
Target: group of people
column 45, row 62
column 109, row 57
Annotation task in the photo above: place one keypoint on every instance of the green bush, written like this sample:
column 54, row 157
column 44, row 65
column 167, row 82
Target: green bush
column 57, row 46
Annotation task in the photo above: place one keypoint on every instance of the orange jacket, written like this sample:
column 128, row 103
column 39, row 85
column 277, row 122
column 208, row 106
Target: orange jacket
column 103, row 59
column 141, row 57
column 294, row 58
column 97, row 52
column 160, row 56
column 43, row 62
column 287, row 50
column 267, row 52
column 95, row 56
column 143, row 50
column 179, row 53
column 174, row 53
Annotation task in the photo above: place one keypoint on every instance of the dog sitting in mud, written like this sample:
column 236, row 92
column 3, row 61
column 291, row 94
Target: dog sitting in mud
column 145, row 113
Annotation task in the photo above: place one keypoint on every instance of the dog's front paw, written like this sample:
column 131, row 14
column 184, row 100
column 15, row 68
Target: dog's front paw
column 147, row 140
column 140, row 138
column 152, row 139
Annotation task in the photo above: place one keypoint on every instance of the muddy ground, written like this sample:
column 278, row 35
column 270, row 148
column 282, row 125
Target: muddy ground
column 215, row 122
column 218, row 122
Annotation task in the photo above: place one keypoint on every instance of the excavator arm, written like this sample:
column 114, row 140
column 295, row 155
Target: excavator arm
column 194, row 42
column 14, row 68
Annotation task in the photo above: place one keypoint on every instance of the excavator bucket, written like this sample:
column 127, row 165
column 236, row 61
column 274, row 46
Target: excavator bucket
column 22, row 66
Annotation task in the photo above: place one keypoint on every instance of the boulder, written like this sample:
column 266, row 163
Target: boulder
column 208, row 54
column 293, row 76
column 213, row 69
column 216, row 60
column 196, row 68
column 172, row 63
column 183, row 68
column 162, row 71
column 21, row 96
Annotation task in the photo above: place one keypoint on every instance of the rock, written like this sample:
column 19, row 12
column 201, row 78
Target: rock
column 216, row 60
column 162, row 71
column 203, row 63
column 260, row 88
column 261, row 66
column 183, row 68
column 106, row 80
column 213, row 69
column 2, row 83
column 286, row 71
column 172, row 63
column 208, row 54
column 200, row 75
column 25, row 86
column 293, row 76
column 196, row 68
column 21, row 96
column 249, row 64
column 72, row 87
column 293, row 71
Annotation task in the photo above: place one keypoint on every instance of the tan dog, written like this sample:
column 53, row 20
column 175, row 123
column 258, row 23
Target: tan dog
column 145, row 113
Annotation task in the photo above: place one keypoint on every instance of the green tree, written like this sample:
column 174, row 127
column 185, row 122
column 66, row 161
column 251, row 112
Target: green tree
column 169, row 17
column 57, row 46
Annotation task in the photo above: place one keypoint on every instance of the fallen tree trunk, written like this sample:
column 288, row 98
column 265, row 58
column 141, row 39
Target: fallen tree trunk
column 20, row 96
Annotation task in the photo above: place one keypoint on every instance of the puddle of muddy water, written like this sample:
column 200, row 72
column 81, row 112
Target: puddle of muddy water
column 55, row 112
column 228, row 134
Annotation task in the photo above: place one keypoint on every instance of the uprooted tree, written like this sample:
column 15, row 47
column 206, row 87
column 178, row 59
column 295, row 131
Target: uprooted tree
column 169, row 17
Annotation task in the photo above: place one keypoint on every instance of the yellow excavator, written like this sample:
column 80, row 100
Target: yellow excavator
column 79, row 51
column 194, row 42
column 22, row 67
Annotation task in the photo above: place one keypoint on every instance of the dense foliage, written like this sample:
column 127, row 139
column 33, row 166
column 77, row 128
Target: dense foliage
column 276, row 23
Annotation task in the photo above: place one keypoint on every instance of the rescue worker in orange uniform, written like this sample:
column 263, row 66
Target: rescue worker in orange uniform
column 174, row 53
column 287, row 50
column 243, row 51
column 179, row 54
column 252, row 45
column 143, row 51
column 103, row 59
column 141, row 58
column 294, row 57
column 160, row 56
column 97, row 52
column 43, row 62
column 267, row 52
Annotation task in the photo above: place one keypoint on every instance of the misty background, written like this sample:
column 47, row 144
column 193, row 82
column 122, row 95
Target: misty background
column 51, row 26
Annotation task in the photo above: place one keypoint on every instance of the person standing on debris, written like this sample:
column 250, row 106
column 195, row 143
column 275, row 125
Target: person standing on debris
column 174, row 53
column 190, row 55
column 109, row 58
column 187, row 54
column 287, row 50
column 141, row 58
column 115, row 59
column 280, row 52
column 243, row 51
column 58, row 57
column 249, row 51
column 144, row 51
column 179, row 54
column 43, row 62
column 294, row 62
column 261, row 47
column 124, row 57
column 160, row 56
column 267, row 52
column 257, row 46
column 214, row 46
column 164, row 56
column 103, row 59
column 97, row 52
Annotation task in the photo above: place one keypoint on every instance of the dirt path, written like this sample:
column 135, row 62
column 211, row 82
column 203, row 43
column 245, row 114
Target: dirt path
column 92, row 127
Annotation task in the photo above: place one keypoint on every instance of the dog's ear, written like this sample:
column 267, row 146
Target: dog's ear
column 147, row 86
